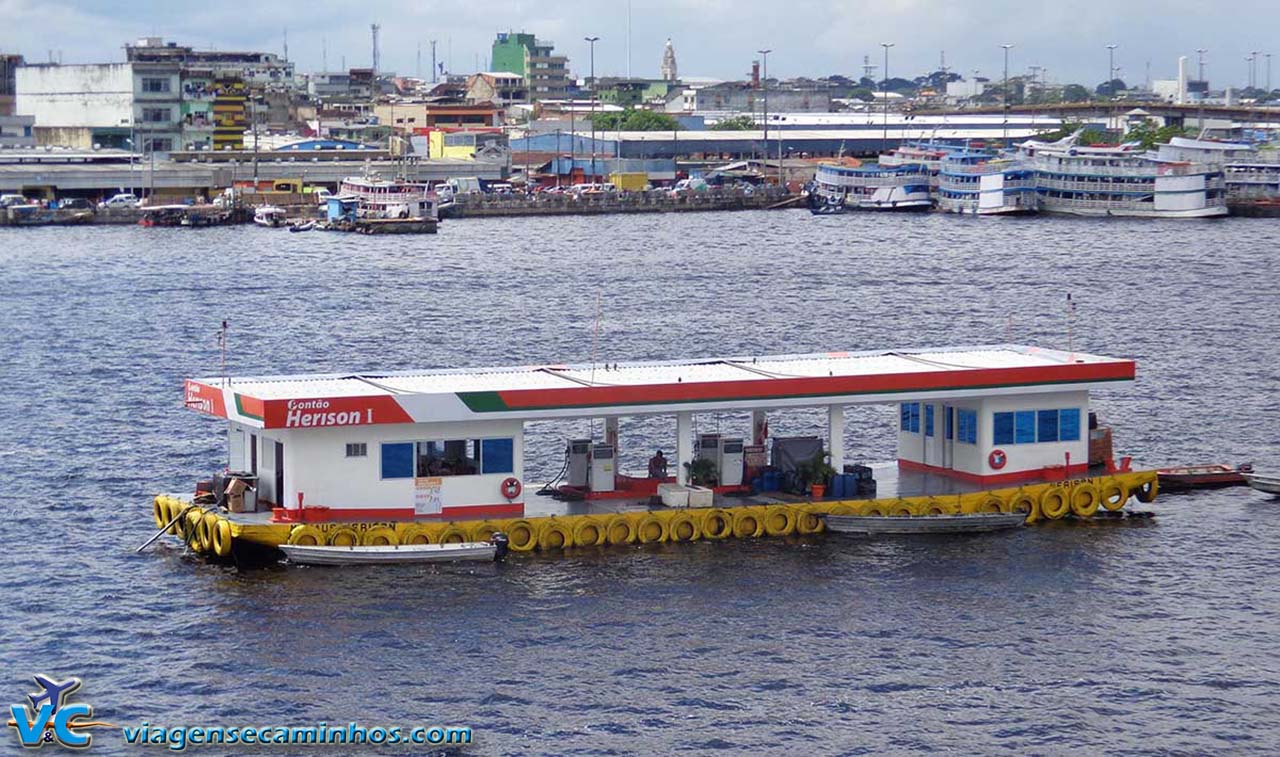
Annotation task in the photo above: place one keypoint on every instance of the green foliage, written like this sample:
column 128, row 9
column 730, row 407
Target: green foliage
column 815, row 471
column 864, row 94
column 635, row 120
column 702, row 471
column 737, row 123
column 1149, row 135
column 1090, row 135
column 1076, row 93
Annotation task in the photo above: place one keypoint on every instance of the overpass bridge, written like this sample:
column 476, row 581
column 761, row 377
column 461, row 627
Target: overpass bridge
column 1187, row 114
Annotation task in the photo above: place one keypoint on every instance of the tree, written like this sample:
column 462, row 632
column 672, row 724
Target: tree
column 1148, row 135
column 737, row 123
column 1111, row 88
column 864, row 94
column 1075, row 93
column 635, row 120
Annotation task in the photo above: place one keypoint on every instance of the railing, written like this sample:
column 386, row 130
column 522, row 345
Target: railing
column 1138, row 169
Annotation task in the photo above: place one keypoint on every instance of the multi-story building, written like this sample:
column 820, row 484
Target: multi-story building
column 498, row 87
column 545, row 74
column 743, row 97
column 8, row 66
column 258, row 70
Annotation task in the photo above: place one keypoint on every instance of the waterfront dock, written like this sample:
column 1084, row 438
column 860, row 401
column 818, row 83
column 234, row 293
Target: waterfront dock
column 654, row 201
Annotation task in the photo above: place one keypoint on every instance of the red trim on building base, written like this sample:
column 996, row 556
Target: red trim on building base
column 1048, row 473
column 314, row 514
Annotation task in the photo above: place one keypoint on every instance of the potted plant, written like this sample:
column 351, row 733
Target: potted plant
column 815, row 473
column 702, row 471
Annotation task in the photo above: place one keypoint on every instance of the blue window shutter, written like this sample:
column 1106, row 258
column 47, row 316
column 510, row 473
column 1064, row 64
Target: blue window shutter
column 1047, row 426
column 497, row 455
column 397, row 460
column 1024, row 427
column 915, row 417
column 1002, row 431
column 949, row 422
column 928, row 420
column 904, row 411
column 1069, row 425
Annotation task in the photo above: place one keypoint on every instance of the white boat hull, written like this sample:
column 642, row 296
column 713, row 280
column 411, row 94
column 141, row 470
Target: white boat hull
column 1268, row 484
column 1211, row 212
column 402, row 553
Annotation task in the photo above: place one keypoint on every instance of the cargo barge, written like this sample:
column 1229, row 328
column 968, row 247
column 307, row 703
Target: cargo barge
column 439, row 456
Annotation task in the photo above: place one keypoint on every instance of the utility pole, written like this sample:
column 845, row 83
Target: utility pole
column 591, row 41
column 434, row 69
column 764, row 87
column 374, row 29
column 884, row 93
column 1253, row 68
column 1004, row 95
column 1111, row 69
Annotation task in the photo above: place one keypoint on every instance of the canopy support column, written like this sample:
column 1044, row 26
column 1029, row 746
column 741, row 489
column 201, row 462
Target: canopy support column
column 759, row 426
column 611, row 433
column 835, row 435
column 684, row 446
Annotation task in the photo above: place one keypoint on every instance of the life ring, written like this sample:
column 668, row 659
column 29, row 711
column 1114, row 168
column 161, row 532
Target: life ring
column 997, row 459
column 1054, row 503
column 779, row 520
column 222, row 538
column 1085, row 500
column 716, row 524
column 511, row 487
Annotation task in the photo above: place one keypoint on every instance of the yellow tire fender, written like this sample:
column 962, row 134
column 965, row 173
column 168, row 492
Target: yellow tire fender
column 992, row 503
column 874, row 508
column 483, row 531
column 809, row 522
column 159, row 509
column 620, row 530
column 716, row 524
column 1054, row 502
column 779, row 520
column 191, row 528
column 747, row 523
column 522, row 536
column 222, row 538
column 939, row 506
column 1023, row 502
column 589, row 532
column 418, row 533
column 306, row 536
column 1085, row 500
column 174, row 508
column 651, row 530
column 453, row 534
column 1148, row 489
column 683, row 527
column 343, row 536
column 1114, row 494
column 844, row 508
column 379, row 536
column 554, row 534
column 902, row 508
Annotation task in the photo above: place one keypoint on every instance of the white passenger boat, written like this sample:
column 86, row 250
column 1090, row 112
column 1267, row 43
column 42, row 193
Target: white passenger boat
column 1252, row 175
column 979, row 183
column 1264, row 483
column 395, row 553
column 383, row 199
column 1122, row 180
column 270, row 216
column 874, row 187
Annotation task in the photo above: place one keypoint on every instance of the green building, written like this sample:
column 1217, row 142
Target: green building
column 546, row 75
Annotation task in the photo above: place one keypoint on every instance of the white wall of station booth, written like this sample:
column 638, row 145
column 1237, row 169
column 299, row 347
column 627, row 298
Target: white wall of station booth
column 939, row 452
column 317, row 465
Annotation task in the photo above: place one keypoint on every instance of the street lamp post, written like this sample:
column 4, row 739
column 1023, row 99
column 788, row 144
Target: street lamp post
column 1268, row 57
column 1111, row 69
column 1004, row 95
column 884, row 93
column 592, row 42
column 1200, row 51
column 764, row 88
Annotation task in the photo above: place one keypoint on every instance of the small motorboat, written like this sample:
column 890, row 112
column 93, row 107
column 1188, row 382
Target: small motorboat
column 302, row 226
column 1188, row 477
column 396, row 553
column 964, row 523
column 270, row 216
column 1263, row 483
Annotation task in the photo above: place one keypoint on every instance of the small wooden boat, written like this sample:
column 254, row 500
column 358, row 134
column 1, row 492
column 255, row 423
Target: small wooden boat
column 303, row 226
column 924, row 524
column 1268, row 484
column 396, row 553
column 1187, row 477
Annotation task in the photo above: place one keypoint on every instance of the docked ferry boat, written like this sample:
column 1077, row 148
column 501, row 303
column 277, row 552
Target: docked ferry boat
column 979, row 183
column 873, row 187
column 1252, row 175
column 382, row 199
column 1121, row 180
column 438, row 456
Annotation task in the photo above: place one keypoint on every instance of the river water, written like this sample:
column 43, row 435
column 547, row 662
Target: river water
column 1132, row 636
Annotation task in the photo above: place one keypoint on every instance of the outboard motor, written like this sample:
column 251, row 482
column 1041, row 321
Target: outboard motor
column 501, row 546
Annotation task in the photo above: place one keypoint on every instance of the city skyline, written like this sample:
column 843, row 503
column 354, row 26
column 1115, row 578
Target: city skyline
column 715, row 39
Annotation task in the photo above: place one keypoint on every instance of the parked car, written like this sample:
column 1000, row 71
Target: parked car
column 13, row 199
column 122, row 200
column 74, row 203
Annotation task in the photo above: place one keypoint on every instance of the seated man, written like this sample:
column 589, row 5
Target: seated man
column 658, row 466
